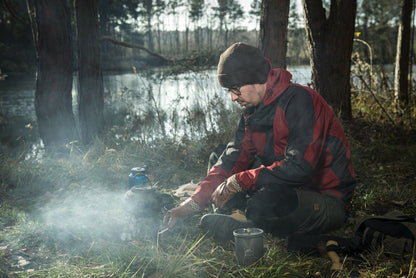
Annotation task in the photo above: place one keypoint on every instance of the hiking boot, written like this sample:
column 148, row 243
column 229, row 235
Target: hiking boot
column 221, row 226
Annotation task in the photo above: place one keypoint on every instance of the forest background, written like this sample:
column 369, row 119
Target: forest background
column 177, row 28
column 61, row 212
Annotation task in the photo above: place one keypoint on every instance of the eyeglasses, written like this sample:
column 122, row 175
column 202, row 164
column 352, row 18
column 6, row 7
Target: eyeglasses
column 234, row 90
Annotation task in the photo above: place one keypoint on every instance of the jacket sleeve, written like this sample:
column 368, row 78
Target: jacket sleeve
column 237, row 157
column 304, row 121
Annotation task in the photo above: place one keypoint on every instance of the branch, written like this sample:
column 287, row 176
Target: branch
column 105, row 38
column 182, row 61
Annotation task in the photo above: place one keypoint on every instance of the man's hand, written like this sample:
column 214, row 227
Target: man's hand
column 225, row 191
column 185, row 209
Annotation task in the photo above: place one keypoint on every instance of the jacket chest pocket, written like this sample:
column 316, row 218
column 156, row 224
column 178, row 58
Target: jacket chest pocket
column 263, row 142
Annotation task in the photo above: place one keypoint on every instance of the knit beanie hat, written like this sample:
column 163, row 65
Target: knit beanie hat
column 242, row 64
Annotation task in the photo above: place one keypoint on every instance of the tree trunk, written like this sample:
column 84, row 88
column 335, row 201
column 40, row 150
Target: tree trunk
column 209, row 30
column 330, row 44
column 149, row 33
column 401, row 79
column 226, row 37
column 159, row 38
column 177, row 49
column 197, row 38
column 273, row 30
column 53, row 98
column 90, row 91
column 187, row 39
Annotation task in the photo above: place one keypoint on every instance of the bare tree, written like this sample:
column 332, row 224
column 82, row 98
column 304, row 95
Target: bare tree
column 90, row 91
column 255, row 11
column 196, row 12
column 53, row 99
column 221, row 12
column 330, row 41
column 401, row 79
column 173, row 6
column 273, row 30
column 150, row 9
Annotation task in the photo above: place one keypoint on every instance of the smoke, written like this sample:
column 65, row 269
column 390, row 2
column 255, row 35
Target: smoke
column 90, row 215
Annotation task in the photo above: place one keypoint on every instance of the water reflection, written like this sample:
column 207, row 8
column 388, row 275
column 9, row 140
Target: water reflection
column 166, row 105
column 148, row 106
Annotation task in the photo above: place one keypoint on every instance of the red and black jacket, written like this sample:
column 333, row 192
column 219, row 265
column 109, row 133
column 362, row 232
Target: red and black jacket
column 298, row 138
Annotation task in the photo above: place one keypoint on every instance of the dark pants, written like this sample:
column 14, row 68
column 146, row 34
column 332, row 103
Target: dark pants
column 302, row 212
column 286, row 210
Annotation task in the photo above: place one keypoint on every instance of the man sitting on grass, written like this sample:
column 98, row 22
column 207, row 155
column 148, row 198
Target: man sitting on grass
column 288, row 168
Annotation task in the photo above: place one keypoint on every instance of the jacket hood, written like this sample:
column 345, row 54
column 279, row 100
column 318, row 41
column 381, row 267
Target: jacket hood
column 278, row 81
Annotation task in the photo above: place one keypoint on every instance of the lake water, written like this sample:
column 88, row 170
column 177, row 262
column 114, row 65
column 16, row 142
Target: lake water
column 167, row 100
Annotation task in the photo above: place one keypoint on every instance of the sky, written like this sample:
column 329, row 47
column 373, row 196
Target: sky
column 246, row 4
column 247, row 21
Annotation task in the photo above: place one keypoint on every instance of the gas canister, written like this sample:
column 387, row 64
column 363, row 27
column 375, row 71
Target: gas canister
column 138, row 177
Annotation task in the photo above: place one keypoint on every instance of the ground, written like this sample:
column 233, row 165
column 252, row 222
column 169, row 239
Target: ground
column 63, row 216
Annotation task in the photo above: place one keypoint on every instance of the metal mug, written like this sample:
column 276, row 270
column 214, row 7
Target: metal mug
column 248, row 245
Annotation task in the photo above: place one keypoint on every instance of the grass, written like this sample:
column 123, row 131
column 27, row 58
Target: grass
column 30, row 246
column 64, row 216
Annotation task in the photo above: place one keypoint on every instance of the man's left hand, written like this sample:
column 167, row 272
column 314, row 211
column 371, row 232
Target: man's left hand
column 225, row 191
